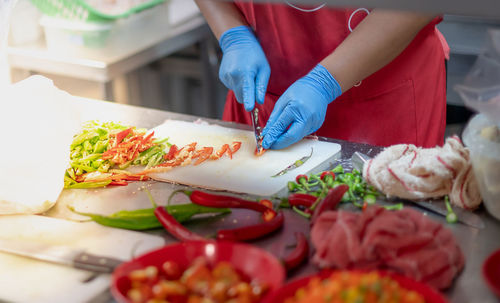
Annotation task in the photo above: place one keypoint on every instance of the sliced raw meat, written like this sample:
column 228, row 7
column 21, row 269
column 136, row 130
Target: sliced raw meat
column 403, row 241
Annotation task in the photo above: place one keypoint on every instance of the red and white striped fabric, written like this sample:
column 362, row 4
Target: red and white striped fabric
column 406, row 242
column 409, row 172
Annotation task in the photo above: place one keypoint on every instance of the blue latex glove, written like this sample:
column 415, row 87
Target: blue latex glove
column 244, row 68
column 302, row 108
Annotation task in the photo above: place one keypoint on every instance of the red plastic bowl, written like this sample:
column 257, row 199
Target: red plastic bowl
column 288, row 290
column 491, row 272
column 251, row 261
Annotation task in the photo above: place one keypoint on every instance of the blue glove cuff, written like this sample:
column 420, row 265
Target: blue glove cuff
column 331, row 87
column 237, row 35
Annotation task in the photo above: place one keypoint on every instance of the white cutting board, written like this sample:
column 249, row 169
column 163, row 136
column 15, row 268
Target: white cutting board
column 244, row 173
column 27, row 280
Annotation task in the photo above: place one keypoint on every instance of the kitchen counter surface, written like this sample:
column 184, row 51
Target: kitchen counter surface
column 476, row 244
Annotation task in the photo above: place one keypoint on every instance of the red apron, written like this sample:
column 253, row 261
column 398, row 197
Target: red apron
column 404, row 102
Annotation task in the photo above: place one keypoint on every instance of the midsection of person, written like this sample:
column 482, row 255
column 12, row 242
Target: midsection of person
column 402, row 102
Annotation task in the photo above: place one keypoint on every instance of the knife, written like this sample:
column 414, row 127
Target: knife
column 294, row 165
column 358, row 161
column 62, row 255
column 257, row 130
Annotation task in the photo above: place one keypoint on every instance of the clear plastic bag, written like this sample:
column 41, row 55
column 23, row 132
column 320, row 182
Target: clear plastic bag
column 481, row 87
column 481, row 92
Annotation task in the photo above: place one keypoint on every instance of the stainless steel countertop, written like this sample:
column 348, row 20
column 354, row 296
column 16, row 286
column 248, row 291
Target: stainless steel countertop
column 476, row 244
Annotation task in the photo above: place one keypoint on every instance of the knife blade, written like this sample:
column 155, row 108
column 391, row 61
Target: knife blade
column 358, row 160
column 59, row 254
column 257, row 130
column 463, row 216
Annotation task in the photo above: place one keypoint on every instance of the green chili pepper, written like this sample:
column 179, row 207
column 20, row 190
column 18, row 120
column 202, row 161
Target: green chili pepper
column 338, row 170
column 144, row 219
column 451, row 217
column 346, row 197
column 292, row 186
column 284, row 203
column 398, row 206
column 369, row 199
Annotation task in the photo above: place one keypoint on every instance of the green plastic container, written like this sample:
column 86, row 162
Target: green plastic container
column 81, row 10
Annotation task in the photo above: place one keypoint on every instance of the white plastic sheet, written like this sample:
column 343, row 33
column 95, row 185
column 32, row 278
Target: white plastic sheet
column 37, row 123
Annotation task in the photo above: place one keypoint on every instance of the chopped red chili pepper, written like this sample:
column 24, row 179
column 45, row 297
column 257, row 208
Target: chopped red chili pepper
column 224, row 149
column 299, row 254
column 236, row 146
column 135, row 178
column 122, row 135
column 331, row 201
column 173, row 227
column 252, row 232
column 266, row 202
column 118, row 183
column 172, row 152
column 203, row 154
column 268, row 215
column 259, row 150
column 300, row 199
column 327, row 173
column 301, row 178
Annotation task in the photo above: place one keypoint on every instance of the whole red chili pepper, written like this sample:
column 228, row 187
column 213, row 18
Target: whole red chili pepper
column 252, row 232
column 331, row 201
column 223, row 201
column 175, row 228
column 298, row 254
column 300, row 199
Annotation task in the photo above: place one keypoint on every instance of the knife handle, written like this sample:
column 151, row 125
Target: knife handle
column 94, row 263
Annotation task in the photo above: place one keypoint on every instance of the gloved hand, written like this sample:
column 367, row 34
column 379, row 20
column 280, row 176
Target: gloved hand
column 244, row 67
column 302, row 107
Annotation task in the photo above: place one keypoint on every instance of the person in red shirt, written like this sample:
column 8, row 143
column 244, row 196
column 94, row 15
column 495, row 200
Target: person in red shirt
column 374, row 77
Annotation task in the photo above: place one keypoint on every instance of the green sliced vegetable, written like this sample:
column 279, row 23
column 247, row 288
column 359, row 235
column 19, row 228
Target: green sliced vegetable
column 398, row 206
column 88, row 184
column 370, row 199
column 89, row 145
column 451, row 217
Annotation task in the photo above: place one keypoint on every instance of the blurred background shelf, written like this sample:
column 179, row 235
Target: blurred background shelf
column 169, row 60
column 164, row 57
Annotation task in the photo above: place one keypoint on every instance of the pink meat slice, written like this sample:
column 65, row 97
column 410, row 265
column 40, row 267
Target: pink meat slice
column 403, row 241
